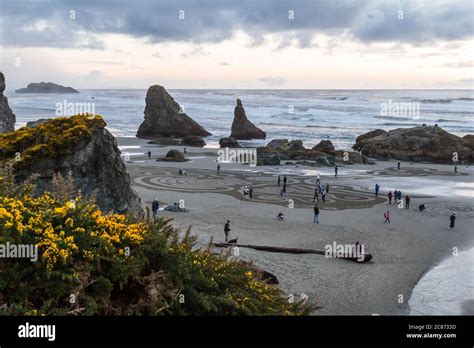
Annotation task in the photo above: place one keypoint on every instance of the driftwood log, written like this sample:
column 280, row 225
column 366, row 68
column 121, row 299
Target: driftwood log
column 273, row 249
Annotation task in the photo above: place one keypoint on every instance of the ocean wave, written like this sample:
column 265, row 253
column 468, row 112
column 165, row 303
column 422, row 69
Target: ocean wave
column 394, row 118
column 442, row 100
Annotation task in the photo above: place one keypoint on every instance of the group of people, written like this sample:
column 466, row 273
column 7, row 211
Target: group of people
column 396, row 195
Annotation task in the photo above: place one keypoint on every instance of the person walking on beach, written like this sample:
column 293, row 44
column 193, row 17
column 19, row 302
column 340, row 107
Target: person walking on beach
column 154, row 208
column 455, row 169
column 327, row 188
column 227, row 230
column 398, row 165
column 316, row 196
column 387, row 217
column 323, row 196
column 185, row 151
column 250, row 192
column 390, row 195
column 407, row 202
column 377, row 189
column 452, row 218
column 279, row 180
column 335, row 171
column 218, row 168
column 149, row 154
column 316, row 214
column 318, row 179
column 283, row 192
column 284, row 180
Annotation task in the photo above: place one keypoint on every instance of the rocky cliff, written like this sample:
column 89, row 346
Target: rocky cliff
column 418, row 144
column 7, row 117
column 79, row 145
column 242, row 128
column 163, row 118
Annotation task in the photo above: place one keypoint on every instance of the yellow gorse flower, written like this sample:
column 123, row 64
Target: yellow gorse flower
column 57, row 228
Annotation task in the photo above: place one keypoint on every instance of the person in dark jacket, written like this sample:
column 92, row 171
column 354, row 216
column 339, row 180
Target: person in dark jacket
column 154, row 207
column 407, row 202
column 390, row 195
column 227, row 230
column 452, row 219
column 316, row 214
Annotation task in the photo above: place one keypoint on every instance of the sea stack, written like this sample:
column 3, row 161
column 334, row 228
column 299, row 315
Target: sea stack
column 242, row 128
column 7, row 117
column 165, row 119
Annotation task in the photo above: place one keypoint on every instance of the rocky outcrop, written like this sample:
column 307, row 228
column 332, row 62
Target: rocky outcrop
column 32, row 124
column 228, row 142
column 193, row 140
column 295, row 145
column 242, row 128
column 7, row 117
column 46, row 87
column 418, row 144
column 325, row 146
column 278, row 145
column 164, row 118
column 173, row 156
column 351, row 157
column 280, row 151
column 368, row 135
column 79, row 145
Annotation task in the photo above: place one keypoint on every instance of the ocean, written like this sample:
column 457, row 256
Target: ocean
column 309, row 115
column 447, row 289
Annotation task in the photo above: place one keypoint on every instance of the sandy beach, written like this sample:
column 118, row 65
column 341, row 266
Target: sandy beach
column 403, row 251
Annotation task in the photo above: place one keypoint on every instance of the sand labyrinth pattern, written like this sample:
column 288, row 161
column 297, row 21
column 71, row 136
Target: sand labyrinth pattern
column 265, row 190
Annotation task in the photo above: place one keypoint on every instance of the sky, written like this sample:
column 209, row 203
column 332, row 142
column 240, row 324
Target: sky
column 245, row 44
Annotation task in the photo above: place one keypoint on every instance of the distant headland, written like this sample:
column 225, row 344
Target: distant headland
column 46, row 87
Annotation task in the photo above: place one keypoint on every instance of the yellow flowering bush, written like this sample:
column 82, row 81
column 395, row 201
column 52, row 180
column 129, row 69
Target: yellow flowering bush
column 63, row 231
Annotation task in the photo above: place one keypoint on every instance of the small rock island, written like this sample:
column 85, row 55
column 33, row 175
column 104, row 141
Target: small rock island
column 46, row 87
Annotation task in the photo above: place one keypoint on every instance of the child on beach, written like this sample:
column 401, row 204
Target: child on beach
column 387, row 216
column 377, row 189
column 218, row 168
column 390, row 195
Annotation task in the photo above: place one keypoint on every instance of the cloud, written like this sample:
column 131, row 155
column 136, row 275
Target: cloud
column 461, row 64
column 95, row 74
column 195, row 51
column 225, row 63
column 273, row 80
column 30, row 23
column 156, row 55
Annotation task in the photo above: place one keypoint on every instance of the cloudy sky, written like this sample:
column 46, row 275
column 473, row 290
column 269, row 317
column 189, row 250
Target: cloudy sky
column 238, row 44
